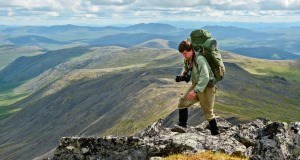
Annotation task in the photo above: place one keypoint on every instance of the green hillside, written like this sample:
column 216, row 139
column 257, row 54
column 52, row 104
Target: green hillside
column 287, row 69
column 75, row 65
column 24, row 68
column 114, row 90
column 29, row 40
column 100, row 61
column 8, row 53
column 158, row 43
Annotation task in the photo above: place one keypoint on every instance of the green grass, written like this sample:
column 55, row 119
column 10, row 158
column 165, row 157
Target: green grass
column 241, row 109
column 147, row 109
column 288, row 69
column 8, row 97
column 6, row 111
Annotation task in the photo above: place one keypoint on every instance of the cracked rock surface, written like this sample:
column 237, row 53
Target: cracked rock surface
column 259, row 139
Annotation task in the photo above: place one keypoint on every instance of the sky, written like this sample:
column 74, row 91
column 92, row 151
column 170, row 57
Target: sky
column 114, row 12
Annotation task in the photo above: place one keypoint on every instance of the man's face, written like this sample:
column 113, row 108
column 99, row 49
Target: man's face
column 187, row 54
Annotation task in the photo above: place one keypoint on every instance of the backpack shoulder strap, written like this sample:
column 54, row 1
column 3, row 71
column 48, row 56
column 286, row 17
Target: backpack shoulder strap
column 195, row 59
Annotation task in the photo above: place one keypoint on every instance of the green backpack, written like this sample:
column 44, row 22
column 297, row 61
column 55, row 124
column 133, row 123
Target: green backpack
column 202, row 42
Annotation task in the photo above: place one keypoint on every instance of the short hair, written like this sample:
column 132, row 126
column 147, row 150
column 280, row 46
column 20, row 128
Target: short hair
column 184, row 45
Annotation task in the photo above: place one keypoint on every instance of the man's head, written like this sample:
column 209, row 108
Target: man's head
column 185, row 48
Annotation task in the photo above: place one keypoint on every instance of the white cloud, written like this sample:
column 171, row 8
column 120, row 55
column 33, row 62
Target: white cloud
column 256, row 4
column 173, row 3
column 94, row 8
column 10, row 13
column 91, row 16
column 154, row 10
column 111, row 2
column 56, row 5
column 52, row 14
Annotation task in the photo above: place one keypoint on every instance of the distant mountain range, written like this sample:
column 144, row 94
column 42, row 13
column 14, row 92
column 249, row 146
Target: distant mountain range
column 229, row 37
column 248, row 25
column 221, row 32
column 33, row 40
column 156, row 28
column 129, row 40
column 265, row 53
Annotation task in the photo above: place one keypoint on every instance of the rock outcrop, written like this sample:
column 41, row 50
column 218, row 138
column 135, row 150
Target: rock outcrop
column 260, row 139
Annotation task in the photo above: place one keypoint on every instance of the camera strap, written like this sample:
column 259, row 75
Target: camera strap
column 192, row 63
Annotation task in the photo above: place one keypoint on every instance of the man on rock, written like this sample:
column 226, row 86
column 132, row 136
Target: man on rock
column 202, row 89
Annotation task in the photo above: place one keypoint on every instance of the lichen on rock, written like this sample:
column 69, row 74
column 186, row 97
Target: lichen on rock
column 259, row 139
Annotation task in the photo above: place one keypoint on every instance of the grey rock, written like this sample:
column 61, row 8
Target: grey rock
column 259, row 139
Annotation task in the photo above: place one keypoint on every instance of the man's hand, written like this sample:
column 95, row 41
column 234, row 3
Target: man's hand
column 182, row 73
column 191, row 95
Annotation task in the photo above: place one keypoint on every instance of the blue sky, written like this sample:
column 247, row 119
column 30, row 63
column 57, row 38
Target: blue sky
column 110, row 12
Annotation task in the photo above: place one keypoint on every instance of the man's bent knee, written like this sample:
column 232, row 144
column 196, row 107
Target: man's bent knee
column 184, row 103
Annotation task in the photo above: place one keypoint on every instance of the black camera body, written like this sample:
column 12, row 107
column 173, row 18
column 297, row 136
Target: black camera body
column 186, row 77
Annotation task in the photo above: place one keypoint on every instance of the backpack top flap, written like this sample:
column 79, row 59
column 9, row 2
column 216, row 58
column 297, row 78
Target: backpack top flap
column 198, row 37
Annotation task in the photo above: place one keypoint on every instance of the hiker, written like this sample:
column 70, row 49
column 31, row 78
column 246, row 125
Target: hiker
column 202, row 89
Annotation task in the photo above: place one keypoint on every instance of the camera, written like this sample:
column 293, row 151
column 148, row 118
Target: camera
column 186, row 77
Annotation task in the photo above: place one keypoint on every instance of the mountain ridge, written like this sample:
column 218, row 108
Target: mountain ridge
column 265, row 53
column 222, row 32
column 42, row 63
column 129, row 40
column 229, row 37
column 28, row 40
column 145, row 76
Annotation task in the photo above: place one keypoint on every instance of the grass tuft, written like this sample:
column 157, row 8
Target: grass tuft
column 208, row 155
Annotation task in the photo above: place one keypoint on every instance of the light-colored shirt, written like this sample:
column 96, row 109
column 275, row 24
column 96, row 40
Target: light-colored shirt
column 201, row 73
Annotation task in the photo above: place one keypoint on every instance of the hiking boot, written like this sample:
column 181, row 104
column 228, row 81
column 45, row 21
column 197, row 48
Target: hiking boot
column 183, row 117
column 179, row 129
column 213, row 127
